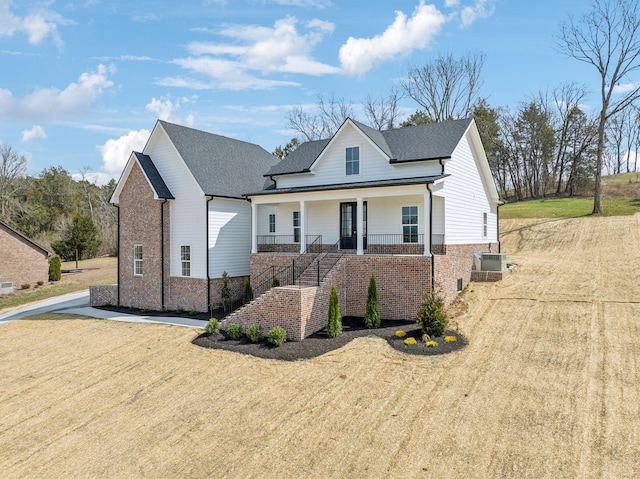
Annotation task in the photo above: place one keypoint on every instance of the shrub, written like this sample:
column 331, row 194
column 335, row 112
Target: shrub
column 431, row 316
column 275, row 283
column 213, row 326
column 431, row 344
column 410, row 341
column 40, row 283
column 25, row 286
column 234, row 331
column 400, row 334
column 372, row 313
column 247, row 294
column 277, row 336
column 334, row 325
column 193, row 312
column 255, row 334
column 450, row 339
column 225, row 291
column 179, row 309
column 55, row 269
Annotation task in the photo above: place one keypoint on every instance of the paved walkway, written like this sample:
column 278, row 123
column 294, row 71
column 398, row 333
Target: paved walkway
column 78, row 303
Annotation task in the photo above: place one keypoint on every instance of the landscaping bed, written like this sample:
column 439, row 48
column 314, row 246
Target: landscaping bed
column 319, row 343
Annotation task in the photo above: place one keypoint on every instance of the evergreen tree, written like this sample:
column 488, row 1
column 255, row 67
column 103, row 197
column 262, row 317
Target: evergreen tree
column 334, row 326
column 372, row 314
column 247, row 294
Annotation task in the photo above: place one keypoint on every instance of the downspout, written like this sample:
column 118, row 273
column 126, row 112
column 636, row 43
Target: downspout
column 433, row 266
column 162, row 253
column 118, row 261
column 207, row 249
column 275, row 185
column 500, row 203
column 441, row 166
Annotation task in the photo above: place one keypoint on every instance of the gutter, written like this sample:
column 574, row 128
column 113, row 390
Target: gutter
column 500, row 203
column 118, row 261
column 433, row 266
column 162, row 253
column 210, row 198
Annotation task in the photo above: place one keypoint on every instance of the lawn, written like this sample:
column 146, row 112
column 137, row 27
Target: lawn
column 546, row 387
column 567, row 208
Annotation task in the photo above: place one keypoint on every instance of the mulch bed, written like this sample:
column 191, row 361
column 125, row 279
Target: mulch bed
column 318, row 344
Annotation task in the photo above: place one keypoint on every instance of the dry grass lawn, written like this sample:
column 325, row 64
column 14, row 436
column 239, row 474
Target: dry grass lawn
column 547, row 388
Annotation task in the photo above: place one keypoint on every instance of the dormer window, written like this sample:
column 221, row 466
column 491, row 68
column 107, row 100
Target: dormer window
column 353, row 161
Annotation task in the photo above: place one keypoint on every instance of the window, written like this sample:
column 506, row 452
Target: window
column 353, row 161
column 137, row 260
column 484, row 225
column 272, row 223
column 296, row 227
column 409, row 224
column 185, row 258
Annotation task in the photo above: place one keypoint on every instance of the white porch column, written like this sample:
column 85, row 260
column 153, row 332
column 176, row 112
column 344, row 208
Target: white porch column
column 303, row 226
column 359, row 227
column 427, row 223
column 254, row 227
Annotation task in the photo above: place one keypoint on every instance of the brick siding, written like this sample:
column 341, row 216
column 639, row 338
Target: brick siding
column 21, row 263
column 103, row 295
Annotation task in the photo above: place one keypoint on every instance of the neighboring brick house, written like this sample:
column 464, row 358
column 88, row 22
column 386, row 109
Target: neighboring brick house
column 183, row 219
column 22, row 261
column 409, row 206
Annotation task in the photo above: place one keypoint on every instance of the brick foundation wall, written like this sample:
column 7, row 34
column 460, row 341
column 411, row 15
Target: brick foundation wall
column 103, row 295
column 21, row 263
column 236, row 285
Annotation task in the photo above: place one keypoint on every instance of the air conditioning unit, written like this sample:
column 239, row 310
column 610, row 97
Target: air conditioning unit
column 493, row 262
column 6, row 288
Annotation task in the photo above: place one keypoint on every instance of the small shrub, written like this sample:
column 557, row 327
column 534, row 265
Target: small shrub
column 431, row 344
column 431, row 316
column 164, row 309
column 275, row 283
column 193, row 312
column 334, row 325
column 400, row 334
column 225, row 290
column 213, row 326
column 145, row 310
column 55, row 269
column 255, row 334
column 234, row 331
column 40, row 283
column 372, row 313
column 25, row 286
column 247, row 294
column 410, row 341
column 450, row 339
column 179, row 310
column 277, row 336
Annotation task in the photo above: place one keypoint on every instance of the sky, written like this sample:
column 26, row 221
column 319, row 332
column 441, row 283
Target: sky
column 82, row 83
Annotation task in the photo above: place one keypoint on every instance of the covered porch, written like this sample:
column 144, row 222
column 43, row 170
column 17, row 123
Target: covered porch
column 388, row 220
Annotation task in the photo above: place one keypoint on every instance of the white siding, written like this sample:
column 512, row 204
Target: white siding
column 229, row 237
column 466, row 199
column 187, row 212
column 374, row 165
column 384, row 215
column 263, row 219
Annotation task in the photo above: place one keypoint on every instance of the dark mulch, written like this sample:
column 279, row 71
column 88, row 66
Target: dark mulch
column 319, row 344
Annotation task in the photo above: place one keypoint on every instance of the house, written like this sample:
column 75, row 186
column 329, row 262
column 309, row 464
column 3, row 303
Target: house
column 183, row 220
column 23, row 261
column 409, row 206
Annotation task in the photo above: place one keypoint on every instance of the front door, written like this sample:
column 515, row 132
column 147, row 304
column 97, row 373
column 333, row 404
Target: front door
column 349, row 225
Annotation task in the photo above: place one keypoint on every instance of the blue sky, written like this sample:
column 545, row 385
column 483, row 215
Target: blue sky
column 83, row 83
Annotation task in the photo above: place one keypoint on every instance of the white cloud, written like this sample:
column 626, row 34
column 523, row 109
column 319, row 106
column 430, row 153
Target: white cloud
column 359, row 55
column 625, row 87
column 116, row 152
column 34, row 133
column 451, row 3
column 39, row 24
column 98, row 178
column 52, row 103
column 304, row 3
column 165, row 109
column 254, row 49
column 480, row 9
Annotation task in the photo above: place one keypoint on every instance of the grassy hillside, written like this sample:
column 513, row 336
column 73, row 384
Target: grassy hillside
column 620, row 197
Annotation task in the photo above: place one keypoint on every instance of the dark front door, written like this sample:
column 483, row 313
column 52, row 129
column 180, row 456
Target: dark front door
column 349, row 225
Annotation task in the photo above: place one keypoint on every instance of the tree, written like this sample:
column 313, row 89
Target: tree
column 382, row 113
column 83, row 238
column 372, row 313
column 55, row 269
column 447, row 88
column 487, row 122
column 247, row 294
column 334, row 324
column 608, row 38
column 332, row 112
column 288, row 148
column 12, row 168
column 225, row 290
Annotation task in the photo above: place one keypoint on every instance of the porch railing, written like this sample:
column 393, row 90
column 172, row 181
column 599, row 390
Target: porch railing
column 395, row 244
column 287, row 243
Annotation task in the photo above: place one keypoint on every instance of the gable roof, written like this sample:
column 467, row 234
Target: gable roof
column 433, row 141
column 29, row 242
column 153, row 176
column 221, row 166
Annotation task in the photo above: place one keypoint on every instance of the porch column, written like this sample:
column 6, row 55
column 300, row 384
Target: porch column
column 359, row 227
column 427, row 223
column 254, row 228
column 303, row 226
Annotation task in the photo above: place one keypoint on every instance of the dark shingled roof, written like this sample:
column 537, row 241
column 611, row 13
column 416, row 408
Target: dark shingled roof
column 222, row 166
column 415, row 143
column 157, row 183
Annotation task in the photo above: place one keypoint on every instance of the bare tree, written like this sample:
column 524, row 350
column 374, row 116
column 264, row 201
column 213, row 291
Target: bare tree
column 382, row 113
column 85, row 188
column 607, row 37
column 332, row 112
column 12, row 168
column 448, row 88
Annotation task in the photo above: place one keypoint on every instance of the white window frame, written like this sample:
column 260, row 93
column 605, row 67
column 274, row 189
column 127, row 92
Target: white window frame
column 272, row 222
column 349, row 161
column 138, row 261
column 296, row 227
column 413, row 237
column 185, row 263
column 485, row 224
